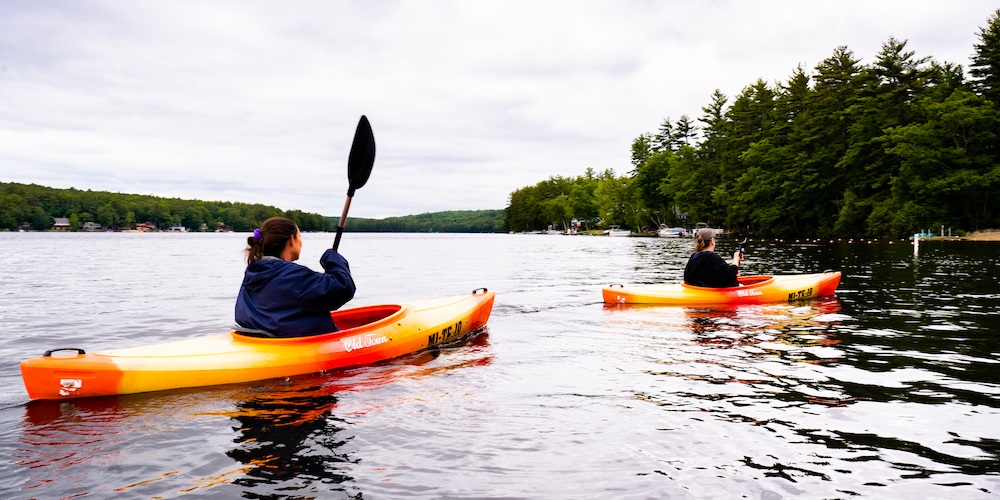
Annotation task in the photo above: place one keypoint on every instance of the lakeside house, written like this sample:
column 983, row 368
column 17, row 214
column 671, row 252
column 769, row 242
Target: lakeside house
column 61, row 224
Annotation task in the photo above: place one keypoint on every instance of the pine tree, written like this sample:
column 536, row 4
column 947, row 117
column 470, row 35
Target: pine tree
column 985, row 67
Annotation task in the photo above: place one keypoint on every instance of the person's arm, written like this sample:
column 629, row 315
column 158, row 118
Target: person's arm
column 326, row 291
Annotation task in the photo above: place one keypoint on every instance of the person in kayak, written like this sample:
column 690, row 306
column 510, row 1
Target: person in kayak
column 286, row 299
column 706, row 268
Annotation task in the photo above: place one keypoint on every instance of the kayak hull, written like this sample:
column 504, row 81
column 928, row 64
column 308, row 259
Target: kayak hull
column 753, row 290
column 367, row 334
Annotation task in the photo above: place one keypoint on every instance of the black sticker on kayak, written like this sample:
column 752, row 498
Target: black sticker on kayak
column 445, row 335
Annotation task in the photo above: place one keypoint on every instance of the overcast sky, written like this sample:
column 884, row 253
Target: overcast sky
column 469, row 100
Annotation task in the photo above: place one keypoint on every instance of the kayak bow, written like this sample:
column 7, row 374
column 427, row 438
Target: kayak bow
column 753, row 290
column 367, row 334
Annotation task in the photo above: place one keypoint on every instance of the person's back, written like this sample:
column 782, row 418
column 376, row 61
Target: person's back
column 286, row 299
column 706, row 268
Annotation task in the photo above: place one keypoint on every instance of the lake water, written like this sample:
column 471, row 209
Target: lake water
column 889, row 389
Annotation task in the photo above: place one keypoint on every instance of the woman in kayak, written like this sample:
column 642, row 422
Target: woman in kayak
column 706, row 268
column 287, row 299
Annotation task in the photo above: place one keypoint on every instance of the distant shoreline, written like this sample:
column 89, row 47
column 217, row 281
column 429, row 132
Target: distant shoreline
column 987, row 235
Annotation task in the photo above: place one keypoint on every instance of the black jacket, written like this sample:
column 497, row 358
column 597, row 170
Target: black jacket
column 708, row 269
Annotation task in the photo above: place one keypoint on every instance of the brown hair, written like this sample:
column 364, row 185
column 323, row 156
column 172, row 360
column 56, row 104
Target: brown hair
column 270, row 239
column 703, row 238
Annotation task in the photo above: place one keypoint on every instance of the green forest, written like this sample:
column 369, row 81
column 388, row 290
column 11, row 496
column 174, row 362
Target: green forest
column 847, row 149
column 452, row 221
column 35, row 208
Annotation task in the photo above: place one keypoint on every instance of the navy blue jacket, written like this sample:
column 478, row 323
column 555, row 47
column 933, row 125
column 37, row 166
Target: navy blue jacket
column 708, row 269
column 291, row 300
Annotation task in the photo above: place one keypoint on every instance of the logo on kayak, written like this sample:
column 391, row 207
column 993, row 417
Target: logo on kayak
column 748, row 293
column 445, row 335
column 68, row 386
column 355, row 343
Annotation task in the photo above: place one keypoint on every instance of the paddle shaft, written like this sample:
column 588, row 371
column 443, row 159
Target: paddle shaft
column 743, row 243
column 342, row 222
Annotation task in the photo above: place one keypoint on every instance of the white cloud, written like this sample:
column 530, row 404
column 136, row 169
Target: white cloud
column 469, row 100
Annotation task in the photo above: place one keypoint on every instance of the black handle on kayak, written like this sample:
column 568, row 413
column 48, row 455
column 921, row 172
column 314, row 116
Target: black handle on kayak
column 619, row 285
column 79, row 352
column 479, row 291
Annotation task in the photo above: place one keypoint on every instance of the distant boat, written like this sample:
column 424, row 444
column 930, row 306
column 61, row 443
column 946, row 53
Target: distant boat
column 615, row 230
column 702, row 225
column 671, row 232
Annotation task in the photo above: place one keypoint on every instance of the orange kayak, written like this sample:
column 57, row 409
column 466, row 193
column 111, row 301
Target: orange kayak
column 752, row 290
column 367, row 334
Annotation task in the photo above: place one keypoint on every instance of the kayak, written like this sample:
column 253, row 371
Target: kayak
column 366, row 335
column 752, row 290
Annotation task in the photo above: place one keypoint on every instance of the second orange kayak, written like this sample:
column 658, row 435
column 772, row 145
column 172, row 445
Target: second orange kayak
column 753, row 290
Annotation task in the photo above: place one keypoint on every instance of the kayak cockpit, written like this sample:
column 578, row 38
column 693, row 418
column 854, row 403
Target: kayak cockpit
column 753, row 280
column 370, row 316
column 348, row 321
column 744, row 281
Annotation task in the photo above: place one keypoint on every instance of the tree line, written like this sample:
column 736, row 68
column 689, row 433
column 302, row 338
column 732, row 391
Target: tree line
column 451, row 221
column 848, row 149
column 34, row 207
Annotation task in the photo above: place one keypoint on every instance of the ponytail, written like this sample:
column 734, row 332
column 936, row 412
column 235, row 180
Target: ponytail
column 703, row 238
column 270, row 239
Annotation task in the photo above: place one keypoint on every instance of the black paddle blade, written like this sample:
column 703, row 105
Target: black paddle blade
column 362, row 157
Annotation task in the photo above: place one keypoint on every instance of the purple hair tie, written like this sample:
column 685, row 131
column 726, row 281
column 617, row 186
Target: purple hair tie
column 256, row 234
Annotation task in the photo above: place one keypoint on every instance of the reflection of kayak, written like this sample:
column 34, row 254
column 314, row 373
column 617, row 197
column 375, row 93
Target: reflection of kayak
column 367, row 334
column 755, row 290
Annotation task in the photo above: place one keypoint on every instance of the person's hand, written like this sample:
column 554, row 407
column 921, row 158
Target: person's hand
column 737, row 258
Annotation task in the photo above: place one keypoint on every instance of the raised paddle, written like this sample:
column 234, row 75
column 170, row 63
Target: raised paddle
column 359, row 167
column 743, row 243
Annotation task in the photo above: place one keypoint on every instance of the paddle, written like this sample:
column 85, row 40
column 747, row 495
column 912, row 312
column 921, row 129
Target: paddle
column 744, row 242
column 359, row 167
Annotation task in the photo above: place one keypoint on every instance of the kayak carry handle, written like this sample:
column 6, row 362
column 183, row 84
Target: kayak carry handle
column 619, row 285
column 479, row 291
column 79, row 352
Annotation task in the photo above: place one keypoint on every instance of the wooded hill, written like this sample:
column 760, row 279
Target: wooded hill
column 34, row 207
column 453, row 221
column 848, row 149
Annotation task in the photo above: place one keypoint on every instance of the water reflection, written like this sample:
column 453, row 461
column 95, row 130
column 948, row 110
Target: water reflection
column 291, row 436
column 810, row 374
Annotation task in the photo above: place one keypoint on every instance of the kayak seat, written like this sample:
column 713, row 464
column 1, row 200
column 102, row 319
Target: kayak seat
column 253, row 332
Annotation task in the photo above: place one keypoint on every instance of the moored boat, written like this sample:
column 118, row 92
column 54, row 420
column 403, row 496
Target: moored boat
column 752, row 290
column 367, row 334
column 615, row 230
column 671, row 232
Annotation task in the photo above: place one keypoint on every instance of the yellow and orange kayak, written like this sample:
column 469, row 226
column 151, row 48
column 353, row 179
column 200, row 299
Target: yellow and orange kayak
column 367, row 334
column 752, row 290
